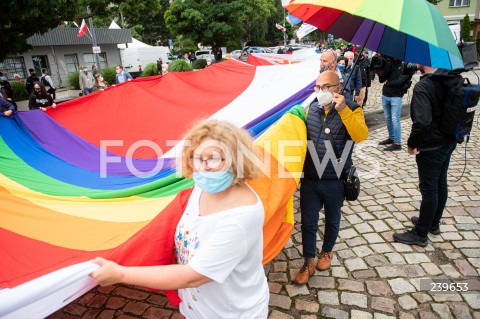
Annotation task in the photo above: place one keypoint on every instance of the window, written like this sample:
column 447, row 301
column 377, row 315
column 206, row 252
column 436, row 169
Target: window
column 71, row 62
column 459, row 3
column 10, row 66
column 89, row 59
column 40, row 62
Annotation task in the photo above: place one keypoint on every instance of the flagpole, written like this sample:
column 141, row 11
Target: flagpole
column 284, row 31
column 94, row 38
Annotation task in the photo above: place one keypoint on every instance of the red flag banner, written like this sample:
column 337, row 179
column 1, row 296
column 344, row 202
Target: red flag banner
column 83, row 29
column 280, row 27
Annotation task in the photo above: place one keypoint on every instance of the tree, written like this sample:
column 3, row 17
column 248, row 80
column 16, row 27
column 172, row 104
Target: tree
column 20, row 19
column 218, row 22
column 435, row 2
column 466, row 28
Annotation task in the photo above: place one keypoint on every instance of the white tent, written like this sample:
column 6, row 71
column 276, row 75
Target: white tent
column 135, row 43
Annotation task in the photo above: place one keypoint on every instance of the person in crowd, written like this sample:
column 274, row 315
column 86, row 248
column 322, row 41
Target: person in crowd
column 323, row 187
column 191, row 57
column 40, row 99
column 86, row 81
column 6, row 97
column 100, row 83
column 159, row 65
column 433, row 149
column 17, row 78
column 7, row 107
column 338, row 53
column 94, row 70
column 209, row 62
column 356, row 86
column 217, row 54
column 164, row 69
column 48, row 83
column 219, row 238
column 328, row 62
column 395, row 87
column 364, row 64
column 122, row 76
column 30, row 80
column 245, row 55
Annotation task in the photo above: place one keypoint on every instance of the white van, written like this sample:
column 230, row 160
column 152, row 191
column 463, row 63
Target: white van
column 455, row 27
column 133, row 58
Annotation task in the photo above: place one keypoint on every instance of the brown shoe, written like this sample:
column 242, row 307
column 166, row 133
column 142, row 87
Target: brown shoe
column 305, row 272
column 324, row 260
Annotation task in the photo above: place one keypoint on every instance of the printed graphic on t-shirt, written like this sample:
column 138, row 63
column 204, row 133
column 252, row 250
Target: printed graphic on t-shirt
column 42, row 101
column 185, row 244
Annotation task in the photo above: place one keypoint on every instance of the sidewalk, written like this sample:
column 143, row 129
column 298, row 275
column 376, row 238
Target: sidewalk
column 371, row 276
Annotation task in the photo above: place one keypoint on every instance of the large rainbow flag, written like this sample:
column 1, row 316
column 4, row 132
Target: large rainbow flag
column 96, row 175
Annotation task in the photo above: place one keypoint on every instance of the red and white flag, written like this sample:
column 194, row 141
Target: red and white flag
column 83, row 29
column 280, row 27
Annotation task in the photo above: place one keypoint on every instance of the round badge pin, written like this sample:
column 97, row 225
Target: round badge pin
column 327, row 131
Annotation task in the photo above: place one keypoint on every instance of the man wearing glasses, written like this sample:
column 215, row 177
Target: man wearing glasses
column 322, row 186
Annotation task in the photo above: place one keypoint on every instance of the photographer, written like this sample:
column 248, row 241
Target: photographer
column 397, row 77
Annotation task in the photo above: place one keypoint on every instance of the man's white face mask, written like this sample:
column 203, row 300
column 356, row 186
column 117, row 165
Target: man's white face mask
column 324, row 97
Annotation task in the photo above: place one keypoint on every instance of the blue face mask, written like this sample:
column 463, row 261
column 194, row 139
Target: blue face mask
column 213, row 182
column 341, row 67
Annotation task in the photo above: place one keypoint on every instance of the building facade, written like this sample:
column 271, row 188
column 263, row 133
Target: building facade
column 61, row 52
column 455, row 10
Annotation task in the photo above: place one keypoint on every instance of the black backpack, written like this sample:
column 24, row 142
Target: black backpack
column 461, row 99
column 44, row 81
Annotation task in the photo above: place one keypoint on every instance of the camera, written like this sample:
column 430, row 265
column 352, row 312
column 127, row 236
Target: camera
column 384, row 66
column 409, row 68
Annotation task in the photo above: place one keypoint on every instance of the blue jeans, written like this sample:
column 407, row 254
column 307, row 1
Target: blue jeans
column 432, row 174
column 392, row 107
column 314, row 195
column 87, row 91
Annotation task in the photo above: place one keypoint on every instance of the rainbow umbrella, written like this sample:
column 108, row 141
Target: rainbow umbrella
column 410, row 30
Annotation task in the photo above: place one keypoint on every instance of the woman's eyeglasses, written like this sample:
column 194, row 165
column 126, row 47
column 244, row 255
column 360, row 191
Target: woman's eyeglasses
column 212, row 162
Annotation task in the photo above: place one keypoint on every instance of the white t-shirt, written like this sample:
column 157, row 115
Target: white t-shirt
column 226, row 247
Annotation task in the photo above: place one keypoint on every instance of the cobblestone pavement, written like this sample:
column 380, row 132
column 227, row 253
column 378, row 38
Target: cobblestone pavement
column 371, row 276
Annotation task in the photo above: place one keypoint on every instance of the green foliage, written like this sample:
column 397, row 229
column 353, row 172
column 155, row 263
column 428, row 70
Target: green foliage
column 435, row 2
column 19, row 91
column 199, row 64
column 215, row 23
column 109, row 74
column 179, row 65
column 185, row 45
column 466, row 29
column 150, row 69
column 74, row 80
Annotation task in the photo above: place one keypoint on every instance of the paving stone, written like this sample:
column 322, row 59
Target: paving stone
column 373, row 238
column 413, row 271
column 450, row 271
column 136, row 308
column 377, row 315
column 400, row 286
column 353, row 219
column 329, row 312
column 278, row 277
column 354, row 299
column 461, row 310
column 416, row 258
column 390, row 271
column 363, row 228
column 280, row 315
column 379, row 226
column 427, row 315
column 357, row 241
column 401, row 248
column 295, row 290
column 347, row 233
column 274, row 287
column 468, row 235
column 471, row 252
column 350, row 285
column 464, row 220
column 395, row 258
column 378, row 288
column 395, row 224
column 442, row 311
column 381, row 248
column 431, row 269
column 407, row 302
column 346, row 253
column 280, row 301
column 328, row 298
column 451, row 236
column 376, row 260
column 383, row 304
column 404, row 315
column 422, row 297
column 355, row 264
column 446, row 296
column 339, row 272
column 357, row 314
column 321, row 282
column 362, row 274
column 472, row 299
column 308, row 306
column 465, row 244
column 465, row 268
column 362, row 251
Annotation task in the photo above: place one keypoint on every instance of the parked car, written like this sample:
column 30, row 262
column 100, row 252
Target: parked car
column 235, row 54
column 204, row 54
column 255, row 49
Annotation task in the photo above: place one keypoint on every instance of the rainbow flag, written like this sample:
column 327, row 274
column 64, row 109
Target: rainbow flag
column 76, row 183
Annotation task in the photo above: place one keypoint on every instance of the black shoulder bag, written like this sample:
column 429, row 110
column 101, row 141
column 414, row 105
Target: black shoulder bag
column 351, row 182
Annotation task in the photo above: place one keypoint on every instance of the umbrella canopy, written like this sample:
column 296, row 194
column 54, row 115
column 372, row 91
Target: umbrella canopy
column 410, row 30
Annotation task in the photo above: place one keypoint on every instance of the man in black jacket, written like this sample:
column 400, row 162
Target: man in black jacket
column 396, row 85
column 31, row 80
column 433, row 149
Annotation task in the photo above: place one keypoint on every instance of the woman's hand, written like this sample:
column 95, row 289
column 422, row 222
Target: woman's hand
column 43, row 109
column 8, row 113
column 108, row 274
column 54, row 105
